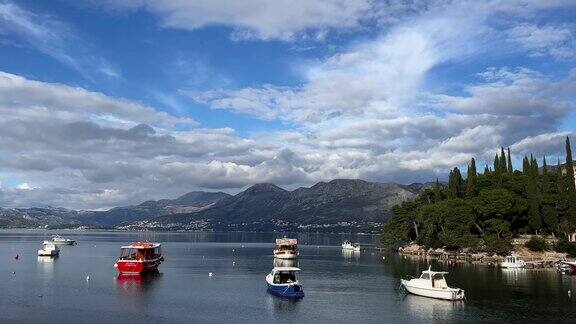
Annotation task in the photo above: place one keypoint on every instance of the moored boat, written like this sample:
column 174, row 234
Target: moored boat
column 432, row 284
column 57, row 239
column 286, row 248
column 139, row 257
column 283, row 281
column 567, row 267
column 512, row 261
column 49, row 249
column 347, row 245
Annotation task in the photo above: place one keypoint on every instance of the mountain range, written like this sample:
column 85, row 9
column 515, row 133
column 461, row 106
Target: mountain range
column 340, row 205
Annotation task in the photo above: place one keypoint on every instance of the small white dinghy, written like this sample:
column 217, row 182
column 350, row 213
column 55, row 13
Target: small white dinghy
column 513, row 261
column 432, row 284
column 49, row 249
column 347, row 245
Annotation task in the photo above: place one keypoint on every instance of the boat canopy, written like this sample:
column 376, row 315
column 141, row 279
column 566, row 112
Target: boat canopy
column 429, row 271
column 286, row 241
column 281, row 269
column 141, row 245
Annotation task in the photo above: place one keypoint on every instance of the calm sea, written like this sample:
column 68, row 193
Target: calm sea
column 339, row 287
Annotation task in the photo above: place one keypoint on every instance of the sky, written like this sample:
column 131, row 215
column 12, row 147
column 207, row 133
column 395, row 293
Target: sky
column 114, row 102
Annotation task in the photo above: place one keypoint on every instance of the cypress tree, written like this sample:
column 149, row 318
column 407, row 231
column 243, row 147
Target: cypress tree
column 510, row 169
column 486, row 169
column 570, row 185
column 561, row 196
column 437, row 192
column 545, row 178
column 525, row 165
column 455, row 184
column 503, row 166
column 496, row 164
column 534, row 219
column 471, row 188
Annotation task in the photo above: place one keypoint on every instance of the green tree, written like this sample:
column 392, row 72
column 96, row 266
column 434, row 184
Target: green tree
column 570, row 185
column 503, row 166
column 471, row 185
column 510, row 169
column 437, row 192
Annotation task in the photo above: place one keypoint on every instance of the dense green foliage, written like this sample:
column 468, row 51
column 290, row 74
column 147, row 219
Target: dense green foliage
column 537, row 244
column 564, row 246
column 485, row 211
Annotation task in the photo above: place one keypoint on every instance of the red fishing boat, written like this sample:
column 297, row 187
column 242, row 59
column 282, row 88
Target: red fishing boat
column 139, row 257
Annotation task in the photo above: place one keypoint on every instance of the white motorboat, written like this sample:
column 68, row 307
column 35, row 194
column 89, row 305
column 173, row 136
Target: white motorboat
column 57, row 239
column 432, row 284
column 347, row 245
column 49, row 249
column 286, row 248
column 512, row 261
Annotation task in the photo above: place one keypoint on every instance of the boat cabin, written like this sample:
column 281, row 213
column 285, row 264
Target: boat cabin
column 286, row 245
column 434, row 279
column 285, row 275
column 140, row 251
column 512, row 259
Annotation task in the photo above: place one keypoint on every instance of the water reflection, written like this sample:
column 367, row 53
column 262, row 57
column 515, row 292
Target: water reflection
column 282, row 308
column 350, row 254
column 429, row 308
column 136, row 284
column 515, row 277
column 46, row 265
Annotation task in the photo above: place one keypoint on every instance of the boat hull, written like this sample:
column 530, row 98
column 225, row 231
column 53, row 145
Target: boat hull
column 506, row 265
column 48, row 253
column 64, row 242
column 128, row 267
column 438, row 293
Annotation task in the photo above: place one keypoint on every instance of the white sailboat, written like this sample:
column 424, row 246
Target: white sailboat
column 432, row 284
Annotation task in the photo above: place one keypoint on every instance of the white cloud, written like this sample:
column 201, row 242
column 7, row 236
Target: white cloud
column 558, row 42
column 54, row 38
column 260, row 19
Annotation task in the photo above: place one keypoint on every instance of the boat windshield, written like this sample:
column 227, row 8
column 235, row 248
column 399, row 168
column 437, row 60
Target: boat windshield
column 283, row 277
column 140, row 254
column 425, row 276
column 286, row 247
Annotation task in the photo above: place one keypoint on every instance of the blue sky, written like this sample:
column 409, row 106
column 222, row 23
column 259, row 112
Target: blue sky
column 115, row 102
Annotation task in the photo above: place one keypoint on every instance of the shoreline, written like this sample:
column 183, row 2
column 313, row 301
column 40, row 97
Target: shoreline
column 534, row 260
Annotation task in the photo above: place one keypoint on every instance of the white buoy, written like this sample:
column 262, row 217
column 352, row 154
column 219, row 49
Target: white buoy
column 383, row 258
column 242, row 245
column 569, row 293
column 87, row 278
column 233, row 263
column 210, row 274
column 232, row 250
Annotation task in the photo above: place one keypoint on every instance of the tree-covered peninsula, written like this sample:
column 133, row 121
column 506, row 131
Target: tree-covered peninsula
column 486, row 210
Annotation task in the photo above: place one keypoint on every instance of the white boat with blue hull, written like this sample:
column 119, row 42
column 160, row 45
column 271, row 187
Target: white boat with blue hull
column 283, row 281
column 432, row 284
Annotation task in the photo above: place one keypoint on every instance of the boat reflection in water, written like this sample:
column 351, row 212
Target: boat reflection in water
column 137, row 283
column 46, row 265
column 283, row 308
column 515, row 276
column 350, row 254
column 430, row 309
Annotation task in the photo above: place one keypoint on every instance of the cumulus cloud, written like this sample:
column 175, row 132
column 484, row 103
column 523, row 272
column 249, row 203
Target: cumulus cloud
column 369, row 110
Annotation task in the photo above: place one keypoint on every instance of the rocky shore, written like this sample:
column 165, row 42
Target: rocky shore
column 534, row 260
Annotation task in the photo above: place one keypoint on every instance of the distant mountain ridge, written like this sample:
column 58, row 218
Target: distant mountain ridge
column 337, row 205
